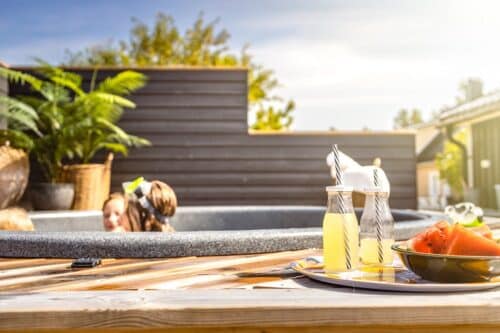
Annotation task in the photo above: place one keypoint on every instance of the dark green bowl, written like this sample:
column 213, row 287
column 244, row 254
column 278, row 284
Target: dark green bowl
column 449, row 268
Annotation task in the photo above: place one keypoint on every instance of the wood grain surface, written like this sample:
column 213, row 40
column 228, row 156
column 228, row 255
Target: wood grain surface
column 220, row 294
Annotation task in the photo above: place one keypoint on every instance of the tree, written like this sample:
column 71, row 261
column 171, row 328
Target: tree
column 269, row 119
column 405, row 118
column 200, row 45
column 450, row 165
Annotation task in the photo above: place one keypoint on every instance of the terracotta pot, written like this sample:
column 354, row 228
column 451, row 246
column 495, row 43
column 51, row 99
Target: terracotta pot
column 14, row 172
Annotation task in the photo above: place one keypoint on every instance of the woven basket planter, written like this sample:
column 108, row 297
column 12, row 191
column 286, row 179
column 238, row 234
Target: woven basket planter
column 91, row 183
column 14, row 172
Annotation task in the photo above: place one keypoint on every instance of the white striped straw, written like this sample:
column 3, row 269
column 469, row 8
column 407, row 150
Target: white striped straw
column 338, row 176
column 378, row 216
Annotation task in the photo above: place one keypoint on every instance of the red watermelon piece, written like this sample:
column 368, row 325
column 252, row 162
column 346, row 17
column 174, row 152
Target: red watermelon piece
column 483, row 230
column 433, row 239
column 463, row 241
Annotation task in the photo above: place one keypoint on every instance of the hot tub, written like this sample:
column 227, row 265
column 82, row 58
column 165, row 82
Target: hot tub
column 201, row 231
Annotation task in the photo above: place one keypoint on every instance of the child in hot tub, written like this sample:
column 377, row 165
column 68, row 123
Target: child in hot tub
column 146, row 207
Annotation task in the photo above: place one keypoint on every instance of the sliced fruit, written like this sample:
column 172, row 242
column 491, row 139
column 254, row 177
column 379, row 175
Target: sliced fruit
column 431, row 240
column 483, row 230
column 463, row 241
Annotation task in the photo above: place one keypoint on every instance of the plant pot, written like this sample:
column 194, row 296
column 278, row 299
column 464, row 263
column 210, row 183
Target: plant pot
column 52, row 196
column 92, row 183
column 14, row 172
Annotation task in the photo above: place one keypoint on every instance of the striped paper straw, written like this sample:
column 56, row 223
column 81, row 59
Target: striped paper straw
column 342, row 208
column 378, row 217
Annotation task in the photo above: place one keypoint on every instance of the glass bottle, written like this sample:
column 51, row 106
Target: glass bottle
column 340, row 231
column 376, row 237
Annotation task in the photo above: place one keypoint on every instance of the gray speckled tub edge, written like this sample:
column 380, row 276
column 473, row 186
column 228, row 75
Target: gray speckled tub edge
column 258, row 230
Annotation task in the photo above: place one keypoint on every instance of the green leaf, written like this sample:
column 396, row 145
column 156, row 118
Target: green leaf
column 17, row 139
column 123, row 83
column 114, row 99
column 20, row 77
column 68, row 84
column 21, row 114
column 51, row 72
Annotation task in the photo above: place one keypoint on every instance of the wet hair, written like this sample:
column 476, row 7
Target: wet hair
column 15, row 219
column 162, row 197
column 113, row 196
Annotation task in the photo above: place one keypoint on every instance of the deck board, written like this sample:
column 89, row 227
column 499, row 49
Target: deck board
column 134, row 274
column 220, row 294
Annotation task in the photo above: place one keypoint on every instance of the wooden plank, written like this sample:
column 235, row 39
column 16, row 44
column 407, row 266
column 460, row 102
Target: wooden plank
column 109, row 269
column 266, row 192
column 486, row 137
column 167, row 165
column 7, row 264
column 164, row 73
column 147, row 127
column 236, row 179
column 216, row 139
column 191, row 100
column 286, row 329
column 255, row 152
column 132, row 280
column 195, row 87
column 395, row 202
column 246, row 309
column 186, row 113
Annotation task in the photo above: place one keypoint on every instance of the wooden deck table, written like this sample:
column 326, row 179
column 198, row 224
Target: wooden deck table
column 220, row 294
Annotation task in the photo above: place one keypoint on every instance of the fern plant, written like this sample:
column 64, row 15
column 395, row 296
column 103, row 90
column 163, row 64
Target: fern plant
column 95, row 112
column 41, row 134
column 68, row 123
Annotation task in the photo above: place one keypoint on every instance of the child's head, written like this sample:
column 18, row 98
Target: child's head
column 114, row 211
column 164, row 203
column 15, row 219
column 121, row 213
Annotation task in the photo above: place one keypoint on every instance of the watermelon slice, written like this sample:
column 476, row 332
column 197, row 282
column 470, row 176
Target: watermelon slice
column 483, row 230
column 433, row 239
column 463, row 241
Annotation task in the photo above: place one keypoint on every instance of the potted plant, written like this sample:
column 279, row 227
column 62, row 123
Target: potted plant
column 44, row 137
column 14, row 149
column 73, row 125
column 96, row 113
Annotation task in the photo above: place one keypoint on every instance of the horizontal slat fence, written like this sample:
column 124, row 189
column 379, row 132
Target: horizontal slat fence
column 197, row 122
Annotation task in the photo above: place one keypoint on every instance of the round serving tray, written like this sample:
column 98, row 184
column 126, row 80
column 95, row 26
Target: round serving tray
column 394, row 278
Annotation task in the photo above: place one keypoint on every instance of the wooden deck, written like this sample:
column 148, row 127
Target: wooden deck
column 219, row 294
column 43, row 275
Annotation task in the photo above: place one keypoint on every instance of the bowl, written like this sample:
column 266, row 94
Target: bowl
column 449, row 268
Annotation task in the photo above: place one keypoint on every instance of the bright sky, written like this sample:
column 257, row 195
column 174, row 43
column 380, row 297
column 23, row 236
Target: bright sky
column 347, row 64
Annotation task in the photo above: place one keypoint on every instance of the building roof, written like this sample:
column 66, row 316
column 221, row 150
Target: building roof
column 475, row 108
column 429, row 152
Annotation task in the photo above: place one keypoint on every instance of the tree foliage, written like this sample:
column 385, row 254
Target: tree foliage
column 406, row 118
column 449, row 164
column 202, row 44
column 269, row 119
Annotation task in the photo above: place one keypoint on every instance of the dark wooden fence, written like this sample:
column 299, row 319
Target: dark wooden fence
column 197, row 122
